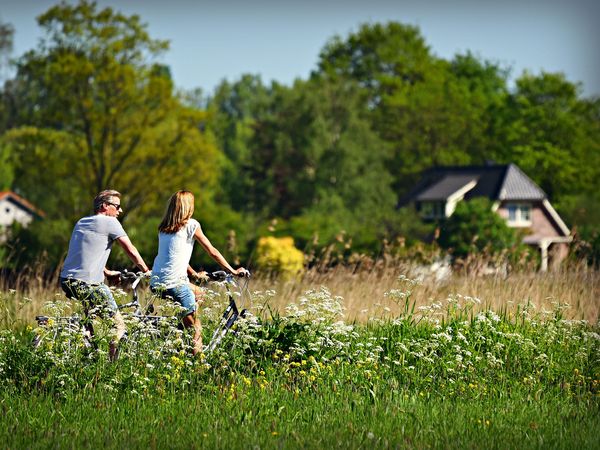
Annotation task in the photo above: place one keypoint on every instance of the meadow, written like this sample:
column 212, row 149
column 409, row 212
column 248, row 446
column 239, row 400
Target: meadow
column 344, row 359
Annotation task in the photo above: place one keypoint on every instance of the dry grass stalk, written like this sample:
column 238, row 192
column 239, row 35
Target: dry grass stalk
column 363, row 290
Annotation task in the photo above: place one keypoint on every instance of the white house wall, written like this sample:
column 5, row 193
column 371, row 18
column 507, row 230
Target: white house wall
column 9, row 213
column 541, row 226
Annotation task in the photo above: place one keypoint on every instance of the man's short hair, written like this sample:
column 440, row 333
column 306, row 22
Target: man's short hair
column 104, row 197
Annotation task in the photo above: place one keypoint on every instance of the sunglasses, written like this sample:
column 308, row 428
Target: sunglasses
column 117, row 207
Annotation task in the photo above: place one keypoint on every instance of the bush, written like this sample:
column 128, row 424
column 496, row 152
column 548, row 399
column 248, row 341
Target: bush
column 279, row 256
column 475, row 228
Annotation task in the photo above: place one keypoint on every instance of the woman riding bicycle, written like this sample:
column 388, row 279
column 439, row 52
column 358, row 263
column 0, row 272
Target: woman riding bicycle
column 177, row 233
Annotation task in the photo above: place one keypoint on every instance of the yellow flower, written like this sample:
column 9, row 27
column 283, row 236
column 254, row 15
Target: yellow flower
column 176, row 361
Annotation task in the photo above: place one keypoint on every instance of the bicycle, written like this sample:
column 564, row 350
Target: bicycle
column 68, row 334
column 157, row 333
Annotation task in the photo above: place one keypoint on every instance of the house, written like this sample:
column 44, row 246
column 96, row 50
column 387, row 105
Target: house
column 14, row 208
column 515, row 197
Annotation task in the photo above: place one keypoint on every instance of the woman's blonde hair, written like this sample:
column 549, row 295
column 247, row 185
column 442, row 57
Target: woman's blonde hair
column 179, row 210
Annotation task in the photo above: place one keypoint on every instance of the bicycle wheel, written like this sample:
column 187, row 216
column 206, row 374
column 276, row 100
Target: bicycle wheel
column 151, row 337
column 62, row 336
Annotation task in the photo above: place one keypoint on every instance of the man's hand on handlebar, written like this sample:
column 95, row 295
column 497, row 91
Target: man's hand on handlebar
column 201, row 276
column 113, row 276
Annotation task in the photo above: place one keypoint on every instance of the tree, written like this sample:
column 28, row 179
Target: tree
column 235, row 109
column 122, row 124
column 382, row 58
column 553, row 135
column 6, row 45
column 97, row 111
column 429, row 111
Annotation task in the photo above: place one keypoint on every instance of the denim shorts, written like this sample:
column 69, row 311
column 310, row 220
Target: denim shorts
column 182, row 294
column 91, row 295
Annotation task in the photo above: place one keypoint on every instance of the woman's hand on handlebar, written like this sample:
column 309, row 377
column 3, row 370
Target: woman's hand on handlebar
column 241, row 272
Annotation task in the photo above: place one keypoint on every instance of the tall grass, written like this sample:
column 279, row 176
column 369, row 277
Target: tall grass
column 450, row 372
column 577, row 286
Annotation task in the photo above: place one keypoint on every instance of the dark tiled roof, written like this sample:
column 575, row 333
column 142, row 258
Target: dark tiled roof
column 518, row 186
column 445, row 187
column 496, row 182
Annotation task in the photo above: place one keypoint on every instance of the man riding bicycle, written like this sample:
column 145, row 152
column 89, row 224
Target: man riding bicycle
column 84, row 269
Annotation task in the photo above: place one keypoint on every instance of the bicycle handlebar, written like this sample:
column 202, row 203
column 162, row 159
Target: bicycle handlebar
column 221, row 275
column 127, row 275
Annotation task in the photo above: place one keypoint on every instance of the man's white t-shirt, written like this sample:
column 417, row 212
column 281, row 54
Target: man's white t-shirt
column 89, row 248
column 174, row 253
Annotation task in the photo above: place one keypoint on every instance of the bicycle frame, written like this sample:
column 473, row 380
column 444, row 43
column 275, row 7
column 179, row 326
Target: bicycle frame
column 76, row 323
column 230, row 315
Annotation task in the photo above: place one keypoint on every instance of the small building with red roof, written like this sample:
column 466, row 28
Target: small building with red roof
column 14, row 208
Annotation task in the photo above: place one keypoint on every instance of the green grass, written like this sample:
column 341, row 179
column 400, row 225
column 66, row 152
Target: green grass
column 441, row 376
column 314, row 418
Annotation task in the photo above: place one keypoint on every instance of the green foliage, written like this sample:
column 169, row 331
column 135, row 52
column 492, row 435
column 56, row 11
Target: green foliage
column 516, row 377
column 96, row 111
column 583, row 210
column 235, row 109
column 92, row 107
column 475, row 228
column 41, row 243
column 119, row 122
column 6, row 167
column 227, row 229
column 6, row 46
column 279, row 256
column 428, row 111
column 311, row 160
column 552, row 134
column 7, row 33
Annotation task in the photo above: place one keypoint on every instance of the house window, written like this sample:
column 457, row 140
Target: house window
column 433, row 210
column 519, row 214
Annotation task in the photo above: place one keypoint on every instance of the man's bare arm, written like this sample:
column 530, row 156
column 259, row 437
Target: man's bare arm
column 133, row 253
